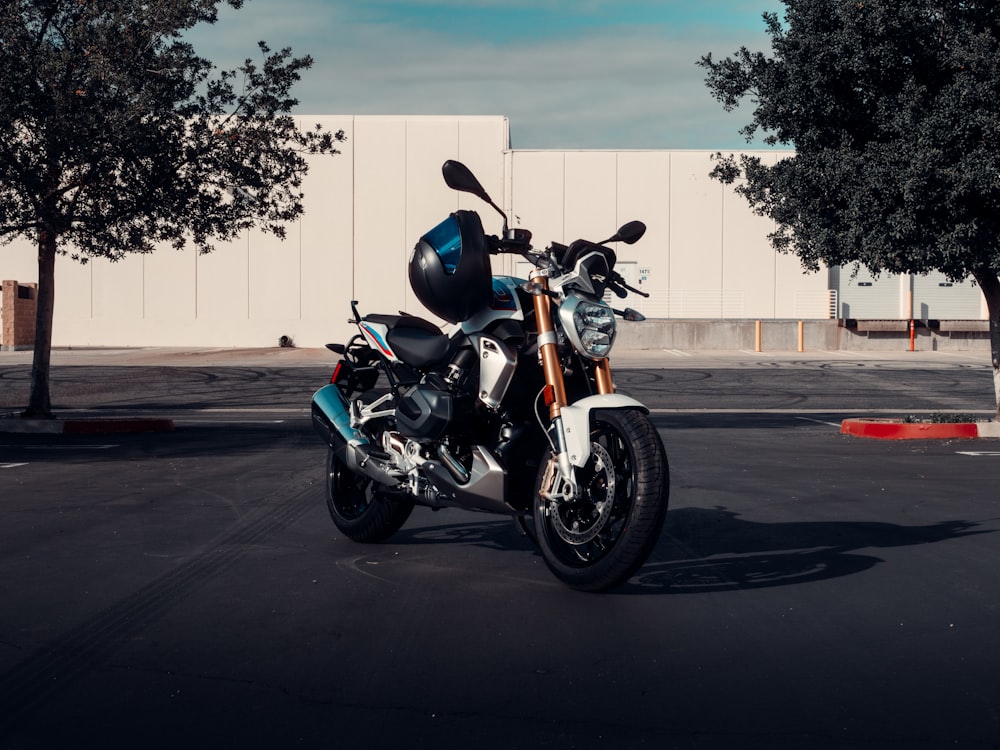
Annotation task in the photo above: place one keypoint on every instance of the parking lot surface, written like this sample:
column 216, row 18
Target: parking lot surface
column 810, row 589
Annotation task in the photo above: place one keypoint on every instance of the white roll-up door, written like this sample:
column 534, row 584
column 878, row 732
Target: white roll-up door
column 864, row 296
column 935, row 297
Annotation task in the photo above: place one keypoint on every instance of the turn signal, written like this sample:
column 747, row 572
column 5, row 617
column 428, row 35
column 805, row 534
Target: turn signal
column 549, row 395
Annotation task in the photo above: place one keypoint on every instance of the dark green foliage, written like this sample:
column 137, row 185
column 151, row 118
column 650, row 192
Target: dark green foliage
column 893, row 109
column 115, row 136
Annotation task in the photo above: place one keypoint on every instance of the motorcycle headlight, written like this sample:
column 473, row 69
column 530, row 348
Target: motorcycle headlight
column 590, row 326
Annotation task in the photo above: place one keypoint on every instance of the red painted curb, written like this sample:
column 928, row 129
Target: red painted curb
column 892, row 429
column 112, row 426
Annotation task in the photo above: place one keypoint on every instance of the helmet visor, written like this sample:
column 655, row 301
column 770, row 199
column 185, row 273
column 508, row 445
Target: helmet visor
column 446, row 239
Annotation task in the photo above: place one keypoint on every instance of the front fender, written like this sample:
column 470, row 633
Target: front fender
column 576, row 422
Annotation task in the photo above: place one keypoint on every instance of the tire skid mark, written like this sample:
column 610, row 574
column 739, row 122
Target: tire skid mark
column 57, row 666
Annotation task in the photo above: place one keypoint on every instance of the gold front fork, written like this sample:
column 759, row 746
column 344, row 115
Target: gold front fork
column 562, row 479
column 602, row 374
column 548, row 347
column 549, row 352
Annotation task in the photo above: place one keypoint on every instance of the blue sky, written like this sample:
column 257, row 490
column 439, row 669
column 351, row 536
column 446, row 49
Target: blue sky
column 614, row 74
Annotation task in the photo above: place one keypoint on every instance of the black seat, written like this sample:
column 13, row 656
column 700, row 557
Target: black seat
column 418, row 342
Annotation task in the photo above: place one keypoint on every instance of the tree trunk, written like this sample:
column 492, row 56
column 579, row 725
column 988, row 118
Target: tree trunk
column 39, row 404
column 990, row 284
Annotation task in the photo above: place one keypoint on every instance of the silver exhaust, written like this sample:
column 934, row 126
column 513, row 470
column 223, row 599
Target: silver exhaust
column 483, row 487
column 331, row 418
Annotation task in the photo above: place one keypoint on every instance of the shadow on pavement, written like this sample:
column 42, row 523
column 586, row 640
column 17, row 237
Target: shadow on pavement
column 493, row 532
column 713, row 550
column 705, row 550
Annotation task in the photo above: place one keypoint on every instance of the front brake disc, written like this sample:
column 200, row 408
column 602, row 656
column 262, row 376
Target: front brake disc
column 580, row 521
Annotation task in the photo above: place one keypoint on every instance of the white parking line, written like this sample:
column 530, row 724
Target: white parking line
column 820, row 421
column 255, row 410
column 61, row 447
column 11, row 466
column 196, row 421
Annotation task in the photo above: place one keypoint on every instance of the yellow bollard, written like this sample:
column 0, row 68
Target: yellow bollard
column 802, row 336
column 757, row 327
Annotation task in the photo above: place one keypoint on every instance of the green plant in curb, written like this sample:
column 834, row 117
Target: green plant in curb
column 941, row 418
column 893, row 112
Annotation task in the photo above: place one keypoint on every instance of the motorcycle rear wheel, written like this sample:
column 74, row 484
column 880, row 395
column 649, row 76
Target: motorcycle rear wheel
column 358, row 507
column 602, row 538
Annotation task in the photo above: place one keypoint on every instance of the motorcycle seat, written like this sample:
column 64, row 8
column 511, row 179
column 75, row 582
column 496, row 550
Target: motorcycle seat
column 417, row 342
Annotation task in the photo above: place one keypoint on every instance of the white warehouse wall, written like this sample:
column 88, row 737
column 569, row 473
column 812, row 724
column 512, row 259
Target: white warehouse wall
column 705, row 254
column 364, row 210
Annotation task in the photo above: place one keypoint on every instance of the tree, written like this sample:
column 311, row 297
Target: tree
column 116, row 137
column 892, row 108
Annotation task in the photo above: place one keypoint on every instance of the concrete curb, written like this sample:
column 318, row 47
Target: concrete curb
column 897, row 429
column 93, row 426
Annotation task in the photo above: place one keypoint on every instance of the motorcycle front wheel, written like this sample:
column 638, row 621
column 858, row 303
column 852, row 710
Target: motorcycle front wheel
column 603, row 536
column 358, row 507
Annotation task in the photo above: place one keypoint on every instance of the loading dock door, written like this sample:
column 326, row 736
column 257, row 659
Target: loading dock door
column 935, row 297
column 866, row 297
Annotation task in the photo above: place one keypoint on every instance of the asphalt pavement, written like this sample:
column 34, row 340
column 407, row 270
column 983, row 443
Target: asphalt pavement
column 300, row 357
column 91, row 401
column 810, row 589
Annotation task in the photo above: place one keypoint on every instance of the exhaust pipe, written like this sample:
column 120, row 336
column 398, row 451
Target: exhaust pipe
column 332, row 420
column 483, row 487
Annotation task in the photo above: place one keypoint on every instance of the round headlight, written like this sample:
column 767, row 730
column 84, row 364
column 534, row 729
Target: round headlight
column 590, row 326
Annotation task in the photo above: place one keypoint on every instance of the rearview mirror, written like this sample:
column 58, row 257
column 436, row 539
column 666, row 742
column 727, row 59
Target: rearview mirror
column 457, row 176
column 629, row 233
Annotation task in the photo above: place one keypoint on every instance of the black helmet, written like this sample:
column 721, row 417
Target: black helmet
column 450, row 268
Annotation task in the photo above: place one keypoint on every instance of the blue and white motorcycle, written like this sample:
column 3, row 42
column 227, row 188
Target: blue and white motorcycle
column 513, row 410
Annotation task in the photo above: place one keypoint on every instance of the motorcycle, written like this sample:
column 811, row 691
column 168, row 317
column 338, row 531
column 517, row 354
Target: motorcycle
column 511, row 411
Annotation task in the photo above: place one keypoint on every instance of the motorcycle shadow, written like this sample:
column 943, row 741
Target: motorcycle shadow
column 714, row 550
column 491, row 533
column 705, row 550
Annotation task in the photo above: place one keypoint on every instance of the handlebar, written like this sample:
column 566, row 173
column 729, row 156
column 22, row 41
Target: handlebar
column 518, row 241
column 513, row 241
column 619, row 286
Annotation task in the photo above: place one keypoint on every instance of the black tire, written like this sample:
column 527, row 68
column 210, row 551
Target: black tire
column 591, row 549
column 357, row 506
